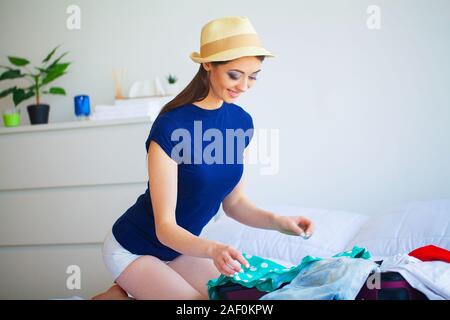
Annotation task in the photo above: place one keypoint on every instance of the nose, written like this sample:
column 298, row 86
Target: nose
column 243, row 85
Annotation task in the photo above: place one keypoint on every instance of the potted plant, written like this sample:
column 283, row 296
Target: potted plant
column 38, row 81
column 172, row 85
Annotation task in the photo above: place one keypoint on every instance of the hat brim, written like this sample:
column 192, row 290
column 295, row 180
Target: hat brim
column 232, row 54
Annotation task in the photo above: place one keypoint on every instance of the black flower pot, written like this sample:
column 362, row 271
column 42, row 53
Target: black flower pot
column 38, row 113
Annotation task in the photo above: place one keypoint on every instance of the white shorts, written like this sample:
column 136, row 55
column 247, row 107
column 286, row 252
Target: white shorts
column 116, row 257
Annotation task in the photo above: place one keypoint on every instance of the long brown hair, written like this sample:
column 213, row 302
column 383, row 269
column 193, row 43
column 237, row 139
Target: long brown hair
column 196, row 90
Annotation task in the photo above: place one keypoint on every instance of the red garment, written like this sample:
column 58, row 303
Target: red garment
column 431, row 253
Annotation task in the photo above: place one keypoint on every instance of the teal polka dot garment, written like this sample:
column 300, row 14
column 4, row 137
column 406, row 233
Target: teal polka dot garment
column 266, row 275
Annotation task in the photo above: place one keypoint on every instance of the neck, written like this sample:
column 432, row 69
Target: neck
column 210, row 102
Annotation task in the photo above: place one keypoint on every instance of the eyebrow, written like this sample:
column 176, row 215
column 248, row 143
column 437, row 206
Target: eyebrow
column 243, row 71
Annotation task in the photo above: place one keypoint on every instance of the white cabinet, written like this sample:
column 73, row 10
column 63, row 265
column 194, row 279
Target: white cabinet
column 62, row 186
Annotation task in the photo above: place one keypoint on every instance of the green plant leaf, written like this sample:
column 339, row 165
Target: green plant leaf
column 6, row 92
column 49, row 56
column 19, row 62
column 55, row 72
column 51, row 77
column 20, row 95
column 57, row 60
column 57, row 90
column 58, row 68
column 11, row 74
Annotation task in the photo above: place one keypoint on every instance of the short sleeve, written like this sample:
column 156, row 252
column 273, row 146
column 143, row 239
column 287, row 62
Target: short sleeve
column 250, row 129
column 161, row 133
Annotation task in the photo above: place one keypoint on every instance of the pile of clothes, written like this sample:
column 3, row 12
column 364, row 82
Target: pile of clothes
column 341, row 277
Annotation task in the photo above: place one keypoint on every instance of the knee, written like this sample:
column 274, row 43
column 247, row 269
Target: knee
column 204, row 297
column 113, row 293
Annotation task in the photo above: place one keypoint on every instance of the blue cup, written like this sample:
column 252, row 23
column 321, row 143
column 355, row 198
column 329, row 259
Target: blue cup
column 82, row 106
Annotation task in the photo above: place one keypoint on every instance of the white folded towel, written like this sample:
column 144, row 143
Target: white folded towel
column 101, row 112
column 119, row 115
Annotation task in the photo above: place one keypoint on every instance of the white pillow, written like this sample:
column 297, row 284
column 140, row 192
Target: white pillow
column 405, row 228
column 334, row 229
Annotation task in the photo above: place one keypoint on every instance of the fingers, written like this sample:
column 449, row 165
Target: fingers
column 308, row 226
column 298, row 230
column 227, row 269
column 233, row 264
column 224, row 269
column 240, row 258
column 231, row 261
column 230, row 267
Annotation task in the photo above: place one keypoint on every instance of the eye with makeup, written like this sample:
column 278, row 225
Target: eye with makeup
column 236, row 76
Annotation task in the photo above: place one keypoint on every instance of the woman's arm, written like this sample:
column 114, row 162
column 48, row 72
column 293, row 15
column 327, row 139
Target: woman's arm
column 163, row 179
column 237, row 206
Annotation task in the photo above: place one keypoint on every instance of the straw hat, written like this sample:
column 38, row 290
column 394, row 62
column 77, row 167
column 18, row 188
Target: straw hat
column 228, row 38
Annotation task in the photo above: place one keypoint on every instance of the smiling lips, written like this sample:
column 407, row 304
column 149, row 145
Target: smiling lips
column 233, row 94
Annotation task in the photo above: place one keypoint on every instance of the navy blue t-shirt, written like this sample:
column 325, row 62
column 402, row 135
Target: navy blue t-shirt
column 208, row 147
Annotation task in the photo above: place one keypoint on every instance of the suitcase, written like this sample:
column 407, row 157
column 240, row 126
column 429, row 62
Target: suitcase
column 392, row 287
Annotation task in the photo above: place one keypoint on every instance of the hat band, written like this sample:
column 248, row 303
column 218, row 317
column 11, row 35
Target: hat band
column 241, row 40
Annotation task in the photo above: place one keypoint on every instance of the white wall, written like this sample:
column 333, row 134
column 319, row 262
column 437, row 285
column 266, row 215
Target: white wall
column 363, row 114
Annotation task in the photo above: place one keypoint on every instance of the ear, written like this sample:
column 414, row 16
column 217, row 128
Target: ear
column 206, row 66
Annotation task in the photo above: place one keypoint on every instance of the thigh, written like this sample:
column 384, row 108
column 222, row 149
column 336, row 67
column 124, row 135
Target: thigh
column 196, row 271
column 149, row 278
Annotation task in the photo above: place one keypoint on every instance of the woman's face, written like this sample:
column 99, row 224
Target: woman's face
column 230, row 80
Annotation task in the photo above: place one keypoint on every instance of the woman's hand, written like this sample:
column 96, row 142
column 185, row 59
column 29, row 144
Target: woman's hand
column 294, row 226
column 227, row 259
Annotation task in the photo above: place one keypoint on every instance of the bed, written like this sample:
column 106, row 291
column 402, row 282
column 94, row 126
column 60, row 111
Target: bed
column 386, row 235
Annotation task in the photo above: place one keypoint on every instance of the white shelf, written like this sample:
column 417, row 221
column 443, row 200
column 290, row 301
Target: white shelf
column 72, row 125
column 157, row 101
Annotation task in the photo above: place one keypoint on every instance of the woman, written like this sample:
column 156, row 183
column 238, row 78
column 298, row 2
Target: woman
column 153, row 250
